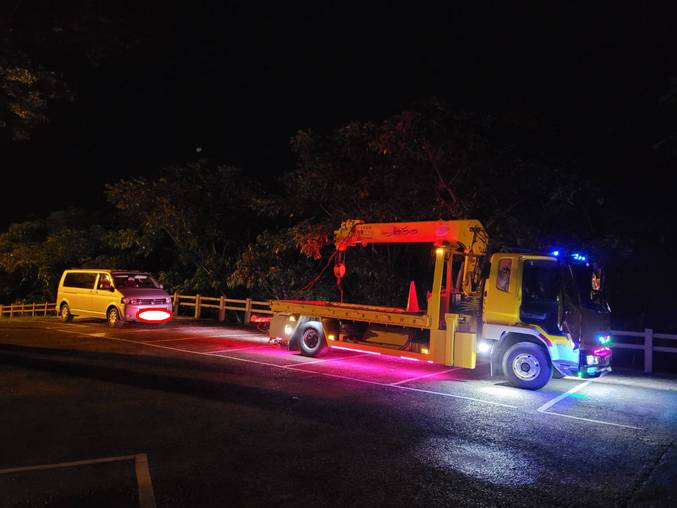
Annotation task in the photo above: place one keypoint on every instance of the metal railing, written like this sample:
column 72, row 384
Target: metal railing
column 646, row 345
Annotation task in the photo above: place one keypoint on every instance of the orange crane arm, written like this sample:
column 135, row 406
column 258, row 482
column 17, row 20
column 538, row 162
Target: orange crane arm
column 466, row 235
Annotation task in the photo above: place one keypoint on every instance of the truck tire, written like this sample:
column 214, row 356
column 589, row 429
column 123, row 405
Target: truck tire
column 526, row 365
column 311, row 342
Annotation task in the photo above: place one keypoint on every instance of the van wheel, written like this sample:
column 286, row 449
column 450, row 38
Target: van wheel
column 312, row 342
column 113, row 318
column 65, row 313
column 526, row 365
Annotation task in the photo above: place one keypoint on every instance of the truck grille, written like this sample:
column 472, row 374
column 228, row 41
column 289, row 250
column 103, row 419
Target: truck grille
column 151, row 301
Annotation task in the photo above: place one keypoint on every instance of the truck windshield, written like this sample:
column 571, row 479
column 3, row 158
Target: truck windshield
column 135, row 280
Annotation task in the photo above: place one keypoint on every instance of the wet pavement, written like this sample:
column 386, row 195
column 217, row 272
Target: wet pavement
column 224, row 418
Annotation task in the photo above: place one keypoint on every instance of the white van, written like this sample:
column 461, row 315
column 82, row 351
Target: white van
column 114, row 295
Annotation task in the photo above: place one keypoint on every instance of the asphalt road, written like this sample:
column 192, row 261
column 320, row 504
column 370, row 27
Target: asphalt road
column 208, row 415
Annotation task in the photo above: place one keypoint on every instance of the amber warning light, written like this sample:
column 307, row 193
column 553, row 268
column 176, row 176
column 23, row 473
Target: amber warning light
column 154, row 315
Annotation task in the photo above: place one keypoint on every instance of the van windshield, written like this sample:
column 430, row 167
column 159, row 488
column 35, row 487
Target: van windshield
column 135, row 280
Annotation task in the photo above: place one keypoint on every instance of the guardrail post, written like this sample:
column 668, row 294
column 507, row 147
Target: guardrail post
column 2, row 311
column 11, row 311
column 648, row 350
column 175, row 303
column 222, row 308
column 45, row 314
column 33, row 310
column 247, row 311
column 197, row 307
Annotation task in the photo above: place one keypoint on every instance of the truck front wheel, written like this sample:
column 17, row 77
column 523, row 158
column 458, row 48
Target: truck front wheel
column 312, row 342
column 526, row 366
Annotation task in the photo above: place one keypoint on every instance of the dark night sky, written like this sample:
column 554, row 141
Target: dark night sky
column 239, row 79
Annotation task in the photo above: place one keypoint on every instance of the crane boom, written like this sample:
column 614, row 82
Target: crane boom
column 468, row 236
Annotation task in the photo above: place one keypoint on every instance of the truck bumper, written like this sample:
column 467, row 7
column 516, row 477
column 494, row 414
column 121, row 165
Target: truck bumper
column 595, row 362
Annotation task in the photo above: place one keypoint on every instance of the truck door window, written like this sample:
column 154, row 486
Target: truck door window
column 503, row 277
column 541, row 284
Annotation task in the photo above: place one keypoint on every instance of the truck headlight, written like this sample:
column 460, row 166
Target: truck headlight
column 591, row 360
column 483, row 347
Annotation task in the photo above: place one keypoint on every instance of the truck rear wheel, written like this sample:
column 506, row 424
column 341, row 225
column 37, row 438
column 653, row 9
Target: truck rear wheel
column 312, row 342
column 526, row 365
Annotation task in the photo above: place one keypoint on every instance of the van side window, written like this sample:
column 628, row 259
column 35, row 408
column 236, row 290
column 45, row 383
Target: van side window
column 80, row 280
column 104, row 282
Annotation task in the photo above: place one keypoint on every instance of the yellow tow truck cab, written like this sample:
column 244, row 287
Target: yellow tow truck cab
column 530, row 315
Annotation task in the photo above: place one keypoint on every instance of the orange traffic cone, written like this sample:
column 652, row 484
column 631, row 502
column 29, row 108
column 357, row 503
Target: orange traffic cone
column 412, row 301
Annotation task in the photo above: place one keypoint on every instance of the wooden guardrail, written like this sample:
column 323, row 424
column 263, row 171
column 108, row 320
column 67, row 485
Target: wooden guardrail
column 646, row 345
column 222, row 304
column 23, row 309
column 248, row 307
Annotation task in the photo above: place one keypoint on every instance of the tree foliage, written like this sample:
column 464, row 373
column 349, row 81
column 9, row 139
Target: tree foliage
column 425, row 164
column 196, row 216
column 33, row 254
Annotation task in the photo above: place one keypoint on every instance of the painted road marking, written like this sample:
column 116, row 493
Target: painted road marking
column 592, row 420
column 146, row 494
column 296, row 367
column 143, row 480
column 312, row 362
column 174, row 340
column 416, row 378
column 230, row 350
column 544, row 408
column 564, row 395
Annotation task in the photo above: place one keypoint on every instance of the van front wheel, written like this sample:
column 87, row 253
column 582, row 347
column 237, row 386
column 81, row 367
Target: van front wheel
column 113, row 318
column 65, row 313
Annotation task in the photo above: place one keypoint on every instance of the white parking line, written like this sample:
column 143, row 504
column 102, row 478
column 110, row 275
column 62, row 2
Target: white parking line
column 74, row 463
column 592, row 421
column 229, row 350
column 172, row 340
column 323, row 360
column 143, row 480
column 564, row 395
column 297, row 368
column 431, row 374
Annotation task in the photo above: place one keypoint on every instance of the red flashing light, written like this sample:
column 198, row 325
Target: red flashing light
column 154, row 315
column 260, row 319
column 601, row 351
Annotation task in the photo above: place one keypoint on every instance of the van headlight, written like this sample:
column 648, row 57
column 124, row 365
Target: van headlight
column 131, row 301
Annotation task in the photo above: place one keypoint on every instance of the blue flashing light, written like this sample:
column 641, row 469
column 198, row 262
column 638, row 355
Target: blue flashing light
column 604, row 339
column 579, row 257
column 555, row 253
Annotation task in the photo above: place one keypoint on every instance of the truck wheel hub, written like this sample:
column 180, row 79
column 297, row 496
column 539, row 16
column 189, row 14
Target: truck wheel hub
column 526, row 367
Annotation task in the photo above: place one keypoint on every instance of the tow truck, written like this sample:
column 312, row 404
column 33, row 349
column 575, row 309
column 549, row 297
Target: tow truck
column 530, row 315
